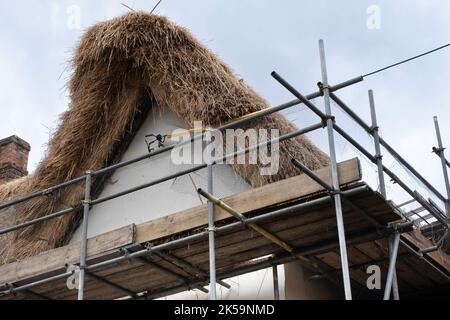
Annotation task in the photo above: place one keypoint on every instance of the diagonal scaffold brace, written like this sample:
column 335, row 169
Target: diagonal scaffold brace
column 311, row 263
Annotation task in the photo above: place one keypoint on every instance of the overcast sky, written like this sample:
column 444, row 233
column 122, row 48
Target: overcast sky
column 254, row 37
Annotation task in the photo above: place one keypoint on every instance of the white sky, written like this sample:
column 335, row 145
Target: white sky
column 254, row 37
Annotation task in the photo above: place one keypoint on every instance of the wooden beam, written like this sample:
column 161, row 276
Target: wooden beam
column 57, row 258
column 272, row 194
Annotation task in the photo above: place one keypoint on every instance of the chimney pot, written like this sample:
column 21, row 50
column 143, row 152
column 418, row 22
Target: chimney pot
column 13, row 158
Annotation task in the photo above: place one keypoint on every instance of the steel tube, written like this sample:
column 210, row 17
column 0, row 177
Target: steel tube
column 37, row 220
column 399, row 158
column 440, row 153
column 276, row 287
column 311, row 174
column 330, row 189
column 273, row 141
column 405, row 203
column 170, row 273
column 284, row 137
column 297, row 94
column 395, row 292
column 376, row 139
column 32, row 293
column 267, row 111
column 391, row 269
column 211, row 234
column 189, row 268
column 37, row 283
column 350, row 112
column 344, row 84
column 112, row 285
column 42, row 193
column 335, row 176
column 429, row 249
column 291, row 103
column 352, row 141
column 84, row 231
column 268, row 235
column 379, row 163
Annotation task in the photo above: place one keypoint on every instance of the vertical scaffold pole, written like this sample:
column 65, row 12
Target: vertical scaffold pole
column 440, row 152
column 395, row 292
column 84, row 231
column 276, row 287
column 379, row 157
column 211, row 230
column 392, row 263
column 376, row 139
column 334, row 175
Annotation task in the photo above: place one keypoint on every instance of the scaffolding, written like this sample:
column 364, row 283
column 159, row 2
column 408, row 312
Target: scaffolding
column 334, row 191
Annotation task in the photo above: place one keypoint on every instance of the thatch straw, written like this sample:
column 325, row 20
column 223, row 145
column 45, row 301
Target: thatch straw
column 114, row 62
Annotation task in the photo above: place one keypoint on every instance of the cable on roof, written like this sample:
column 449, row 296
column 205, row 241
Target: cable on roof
column 406, row 60
column 156, row 6
column 127, row 6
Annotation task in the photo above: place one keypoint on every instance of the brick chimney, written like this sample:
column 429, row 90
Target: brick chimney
column 13, row 158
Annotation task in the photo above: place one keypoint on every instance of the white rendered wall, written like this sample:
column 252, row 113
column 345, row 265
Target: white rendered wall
column 171, row 197
column 251, row 286
column 162, row 199
column 301, row 284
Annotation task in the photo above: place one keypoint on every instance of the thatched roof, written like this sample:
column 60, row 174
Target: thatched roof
column 115, row 64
